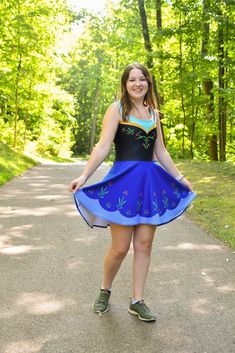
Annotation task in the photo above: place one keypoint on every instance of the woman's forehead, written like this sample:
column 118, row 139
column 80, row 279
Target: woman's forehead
column 136, row 73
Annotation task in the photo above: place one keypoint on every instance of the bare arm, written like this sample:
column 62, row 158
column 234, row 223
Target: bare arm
column 164, row 157
column 102, row 148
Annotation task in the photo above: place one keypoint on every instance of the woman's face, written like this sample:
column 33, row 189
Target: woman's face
column 137, row 85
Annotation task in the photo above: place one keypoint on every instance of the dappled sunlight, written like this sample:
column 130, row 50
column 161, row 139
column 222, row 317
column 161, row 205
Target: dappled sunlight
column 19, row 231
column 41, row 304
column 207, row 179
column 24, row 346
column 209, row 280
column 22, row 249
column 40, row 211
column 226, row 289
column 200, row 306
column 191, row 246
column 74, row 265
column 74, row 213
column 168, row 267
column 50, row 197
column 16, row 250
column 86, row 239
column 37, row 304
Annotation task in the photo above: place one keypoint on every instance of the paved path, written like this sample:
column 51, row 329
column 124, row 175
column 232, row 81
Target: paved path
column 51, row 268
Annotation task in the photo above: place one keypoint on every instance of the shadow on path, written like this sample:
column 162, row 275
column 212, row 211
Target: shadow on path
column 51, row 269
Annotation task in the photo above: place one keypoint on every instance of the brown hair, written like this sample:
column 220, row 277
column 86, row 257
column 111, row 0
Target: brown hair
column 126, row 103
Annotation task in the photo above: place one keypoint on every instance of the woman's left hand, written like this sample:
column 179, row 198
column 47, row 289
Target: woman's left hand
column 186, row 183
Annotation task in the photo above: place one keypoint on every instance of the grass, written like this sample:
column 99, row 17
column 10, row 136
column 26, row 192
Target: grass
column 214, row 207
column 12, row 163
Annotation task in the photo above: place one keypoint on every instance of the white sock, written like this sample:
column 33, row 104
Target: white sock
column 134, row 301
column 109, row 289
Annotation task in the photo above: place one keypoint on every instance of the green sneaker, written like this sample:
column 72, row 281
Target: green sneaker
column 142, row 311
column 101, row 304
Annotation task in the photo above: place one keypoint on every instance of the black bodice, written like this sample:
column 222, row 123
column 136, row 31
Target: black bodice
column 133, row 143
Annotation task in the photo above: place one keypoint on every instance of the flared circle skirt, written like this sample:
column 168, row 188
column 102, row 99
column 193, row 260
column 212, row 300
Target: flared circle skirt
column 133, row 192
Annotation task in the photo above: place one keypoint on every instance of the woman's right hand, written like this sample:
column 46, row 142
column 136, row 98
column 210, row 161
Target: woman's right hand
column 76, row 184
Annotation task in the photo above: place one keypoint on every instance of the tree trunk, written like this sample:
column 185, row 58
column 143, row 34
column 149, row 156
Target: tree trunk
column 159, row 28
column 208, row 83
column 96, row 104
column 222, row 109
column 149, row 50
column 148, row 45
column 181, row 91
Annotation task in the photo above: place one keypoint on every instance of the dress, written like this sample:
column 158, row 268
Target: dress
column 136, row 190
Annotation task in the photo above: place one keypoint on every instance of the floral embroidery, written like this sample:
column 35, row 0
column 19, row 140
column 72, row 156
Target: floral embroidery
column 121, row 202
column 102, row 192
column 108, row 204
column 155, row 206
column 130, row 131
column 140, row 135
column 146, row 143
column 176, row 192
column 139, row 204
column 165, row 201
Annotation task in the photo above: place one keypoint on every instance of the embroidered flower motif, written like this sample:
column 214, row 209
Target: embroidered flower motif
column 165, row 202
column 155, row 206
column 103, row 191
column 139, row 204
column 176, row 192
column 130, row 131
column 121, row 202
column 125, row 192
column 108, row 204
column 146, row 211
column 128, row 212
column 90, row 191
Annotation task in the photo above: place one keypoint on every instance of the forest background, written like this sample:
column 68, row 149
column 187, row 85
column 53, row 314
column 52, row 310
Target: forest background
column 60, row 70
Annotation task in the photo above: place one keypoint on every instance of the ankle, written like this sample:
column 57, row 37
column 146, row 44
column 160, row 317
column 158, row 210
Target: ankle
column 106, row 289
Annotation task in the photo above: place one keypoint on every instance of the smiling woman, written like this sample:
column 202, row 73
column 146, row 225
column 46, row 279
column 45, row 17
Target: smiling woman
column 137, row 194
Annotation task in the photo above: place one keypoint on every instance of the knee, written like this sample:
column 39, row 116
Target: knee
column 143, row 246
column 120, row 253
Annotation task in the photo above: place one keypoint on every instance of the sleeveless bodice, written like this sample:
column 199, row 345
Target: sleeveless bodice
column 133, row 142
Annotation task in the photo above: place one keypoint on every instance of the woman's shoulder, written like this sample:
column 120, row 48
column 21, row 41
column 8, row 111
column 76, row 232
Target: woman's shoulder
column 114, row 110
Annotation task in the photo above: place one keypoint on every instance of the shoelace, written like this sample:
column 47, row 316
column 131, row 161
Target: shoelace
column 144, row 305
column 102, row 298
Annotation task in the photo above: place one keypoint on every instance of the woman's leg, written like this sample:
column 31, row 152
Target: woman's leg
column 121, row 240
column 142, row 244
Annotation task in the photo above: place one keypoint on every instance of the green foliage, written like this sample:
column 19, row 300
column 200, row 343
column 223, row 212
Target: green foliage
column 12, row 163
column 54, row 80
column 214, row 208
column 29, row 95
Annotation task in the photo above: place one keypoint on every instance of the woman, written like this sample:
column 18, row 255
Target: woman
column 137, row 194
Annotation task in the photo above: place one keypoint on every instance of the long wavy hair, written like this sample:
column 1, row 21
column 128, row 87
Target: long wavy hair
column 126, row 103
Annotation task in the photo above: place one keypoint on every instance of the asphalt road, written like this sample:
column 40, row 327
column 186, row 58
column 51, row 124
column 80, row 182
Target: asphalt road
column 51, row 268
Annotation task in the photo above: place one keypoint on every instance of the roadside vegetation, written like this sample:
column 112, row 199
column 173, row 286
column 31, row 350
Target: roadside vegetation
column 214, row 207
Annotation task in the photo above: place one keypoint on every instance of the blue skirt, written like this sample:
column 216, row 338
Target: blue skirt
column 133, row 192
